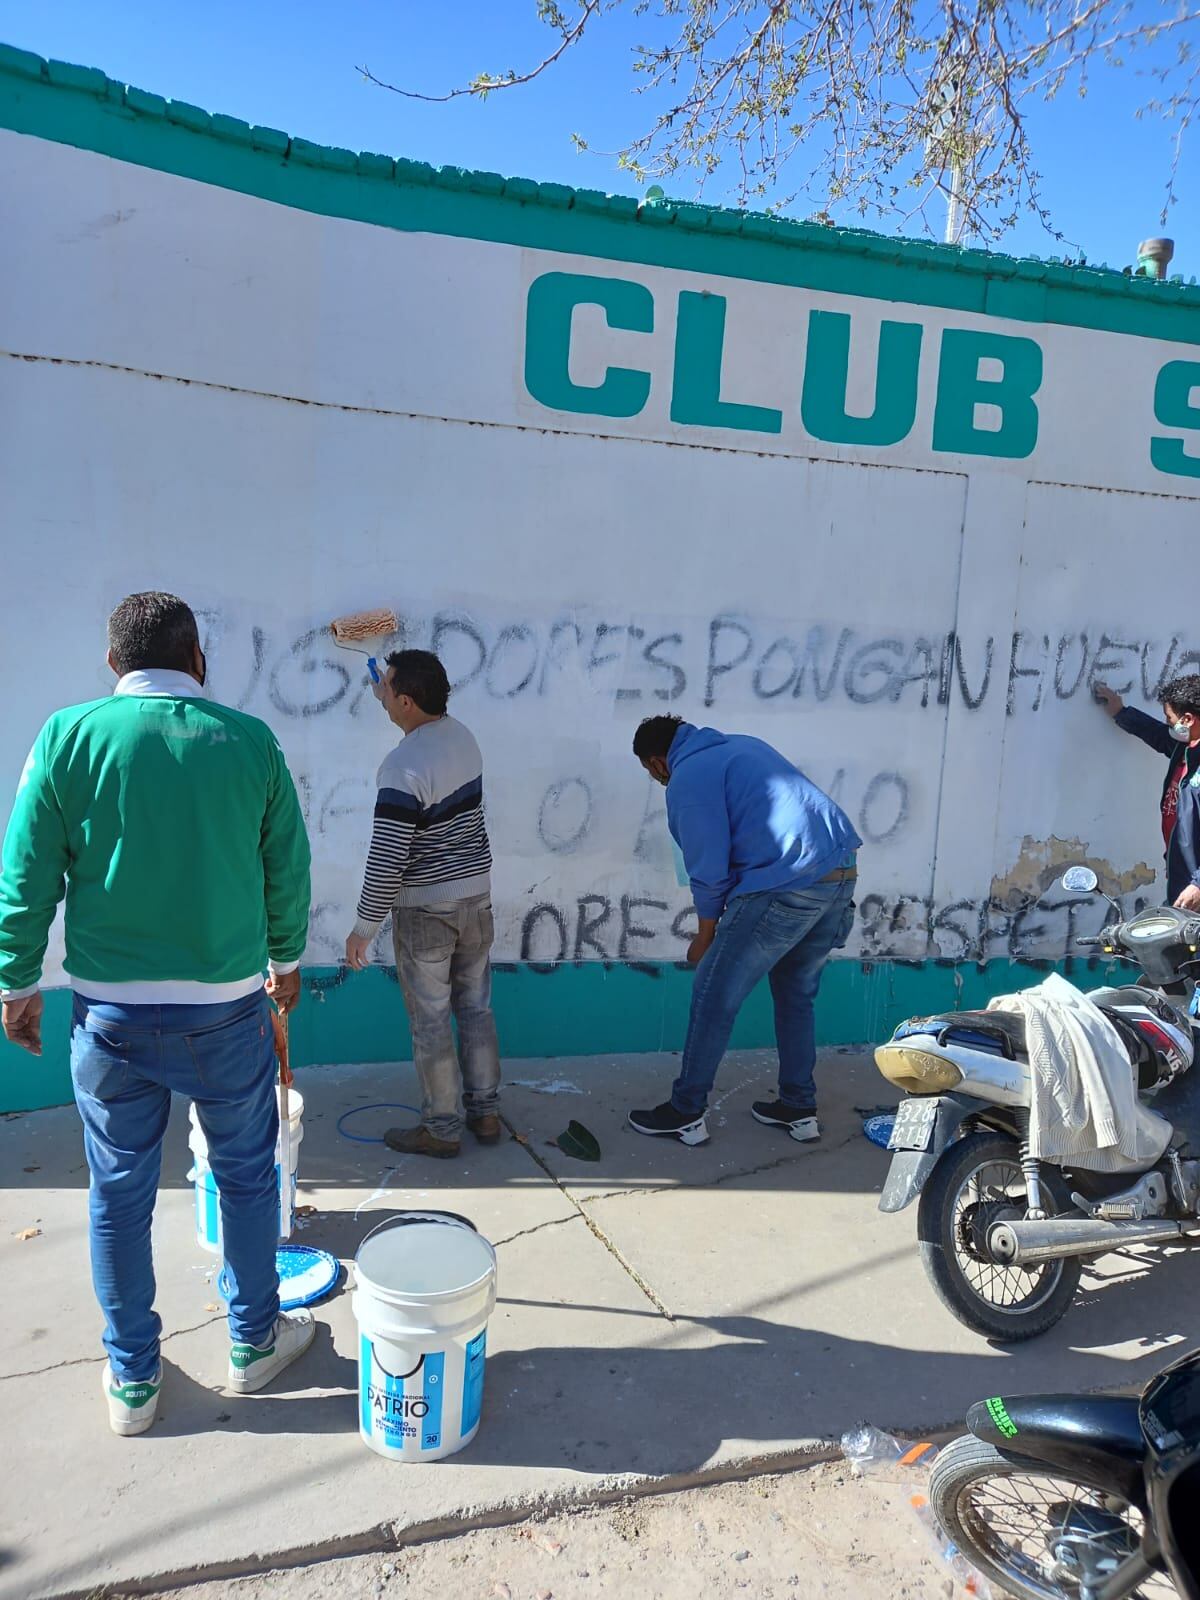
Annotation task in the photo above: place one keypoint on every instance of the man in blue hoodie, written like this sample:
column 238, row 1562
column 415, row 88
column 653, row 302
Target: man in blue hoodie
column 772, row 866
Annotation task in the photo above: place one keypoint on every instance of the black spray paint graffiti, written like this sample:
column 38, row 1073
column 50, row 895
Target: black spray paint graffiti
column 568, row 808
column 565, row 815
column 911, row 929
column 1016, row 927
column 720, row 660
column 595, row 930
column 346, row 797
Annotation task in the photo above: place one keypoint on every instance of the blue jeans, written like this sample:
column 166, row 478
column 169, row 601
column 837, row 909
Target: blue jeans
column 125, row 1063
column 785, row 935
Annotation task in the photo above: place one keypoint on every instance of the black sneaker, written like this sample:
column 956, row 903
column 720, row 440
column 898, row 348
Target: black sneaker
column 666, row 1122
column 800, row 1121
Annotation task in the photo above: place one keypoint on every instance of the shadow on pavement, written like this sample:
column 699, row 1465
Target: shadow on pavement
column 188, row 1407
column 44, row 1149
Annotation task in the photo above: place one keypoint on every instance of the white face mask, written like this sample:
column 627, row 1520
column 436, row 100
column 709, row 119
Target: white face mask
column 1181, row 731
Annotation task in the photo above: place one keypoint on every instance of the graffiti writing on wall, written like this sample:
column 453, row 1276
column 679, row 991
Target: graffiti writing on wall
column 639, row 930
column 718, row 660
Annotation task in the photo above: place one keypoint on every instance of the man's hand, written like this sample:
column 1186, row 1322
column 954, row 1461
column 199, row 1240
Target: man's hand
column 23, row 1023
column 1108, row 698
column 284, row 989
column 702, row 943
column 1189, row 900
column 357, row 952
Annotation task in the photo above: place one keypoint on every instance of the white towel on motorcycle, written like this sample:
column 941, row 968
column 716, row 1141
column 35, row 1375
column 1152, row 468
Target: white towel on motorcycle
column 1084, row 1107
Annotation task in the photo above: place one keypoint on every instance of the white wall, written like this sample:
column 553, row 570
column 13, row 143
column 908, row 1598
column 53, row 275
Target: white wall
column 285, row 417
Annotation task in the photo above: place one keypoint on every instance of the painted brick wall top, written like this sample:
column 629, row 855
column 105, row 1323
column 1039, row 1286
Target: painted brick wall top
column 82, row 106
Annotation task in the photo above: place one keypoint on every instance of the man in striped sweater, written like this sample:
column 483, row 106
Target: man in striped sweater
column 429, row 867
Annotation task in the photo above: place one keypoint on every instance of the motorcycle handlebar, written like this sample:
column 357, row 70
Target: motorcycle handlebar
column 1092, row 943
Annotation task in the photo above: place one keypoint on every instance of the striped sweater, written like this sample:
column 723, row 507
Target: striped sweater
column 429, row 845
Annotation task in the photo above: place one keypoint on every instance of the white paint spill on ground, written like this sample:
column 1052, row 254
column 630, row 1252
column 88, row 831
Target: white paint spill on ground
column 546, row 1085
column 729, row 1093
column 383, row 1189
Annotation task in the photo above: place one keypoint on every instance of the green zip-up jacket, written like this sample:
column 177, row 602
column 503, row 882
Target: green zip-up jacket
column 174, row 826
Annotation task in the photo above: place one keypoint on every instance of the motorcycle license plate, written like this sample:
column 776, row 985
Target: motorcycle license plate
column 915, row 1122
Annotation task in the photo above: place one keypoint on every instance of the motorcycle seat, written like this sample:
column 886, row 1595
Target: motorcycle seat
column 1002, row 1032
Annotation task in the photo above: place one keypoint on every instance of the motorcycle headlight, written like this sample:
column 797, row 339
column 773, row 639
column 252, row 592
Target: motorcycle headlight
column 917, row 1071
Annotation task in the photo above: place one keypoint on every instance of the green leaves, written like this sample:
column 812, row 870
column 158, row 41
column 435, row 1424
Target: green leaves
column 576, row 1141
column 881, row 109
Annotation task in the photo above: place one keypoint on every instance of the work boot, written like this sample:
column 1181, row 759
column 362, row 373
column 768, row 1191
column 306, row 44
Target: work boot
column 131, row 1406
column 252, row 1366
column 420, row 1142
column 487, row 1127
column 800, row 1121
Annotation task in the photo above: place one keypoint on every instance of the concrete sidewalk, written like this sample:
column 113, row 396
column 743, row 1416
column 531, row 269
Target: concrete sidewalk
column 665, row 1312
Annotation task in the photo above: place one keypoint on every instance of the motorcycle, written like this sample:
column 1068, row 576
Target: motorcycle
column 1080, row 1497
column 1003, row 1236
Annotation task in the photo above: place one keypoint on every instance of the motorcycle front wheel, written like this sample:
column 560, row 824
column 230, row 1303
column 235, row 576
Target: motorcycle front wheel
column 1036, row 1535
column 977, row 1183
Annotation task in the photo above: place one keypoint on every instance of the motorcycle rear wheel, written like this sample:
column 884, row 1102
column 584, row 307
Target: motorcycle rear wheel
column 979, row 1181
column 1005, row 1514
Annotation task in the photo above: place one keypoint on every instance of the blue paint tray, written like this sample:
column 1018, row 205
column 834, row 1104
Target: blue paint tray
column 305, row 1274
column 879, row 1129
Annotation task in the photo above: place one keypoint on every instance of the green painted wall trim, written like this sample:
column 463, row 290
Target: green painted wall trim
column 80, row 106
column 592, row 1009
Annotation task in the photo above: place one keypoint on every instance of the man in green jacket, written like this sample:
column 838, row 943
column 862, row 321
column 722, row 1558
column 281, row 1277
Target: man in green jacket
column 172, row 824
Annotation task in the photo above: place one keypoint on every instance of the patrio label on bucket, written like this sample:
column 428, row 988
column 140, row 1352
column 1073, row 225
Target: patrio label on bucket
column 473, row 1382
column 402, row 1408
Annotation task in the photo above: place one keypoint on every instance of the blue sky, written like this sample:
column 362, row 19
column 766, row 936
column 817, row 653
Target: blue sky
column 292, row 66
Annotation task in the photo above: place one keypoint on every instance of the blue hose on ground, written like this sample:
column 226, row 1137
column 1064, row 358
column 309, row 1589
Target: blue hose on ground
column 382, row 1105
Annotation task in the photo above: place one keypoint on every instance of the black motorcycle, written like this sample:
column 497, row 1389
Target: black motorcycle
column 1078, row 1497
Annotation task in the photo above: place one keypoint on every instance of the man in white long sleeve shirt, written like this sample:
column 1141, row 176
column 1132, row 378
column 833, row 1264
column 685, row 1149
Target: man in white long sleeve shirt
column 429, row 866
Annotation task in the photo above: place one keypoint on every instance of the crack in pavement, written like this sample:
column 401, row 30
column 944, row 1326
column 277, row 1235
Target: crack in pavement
column 592, row 1226
column 95, row 1361
column 603, row 1238
column 523, row 1233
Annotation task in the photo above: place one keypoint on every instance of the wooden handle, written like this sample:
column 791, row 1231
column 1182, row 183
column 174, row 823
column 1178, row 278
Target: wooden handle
column 280, row 1027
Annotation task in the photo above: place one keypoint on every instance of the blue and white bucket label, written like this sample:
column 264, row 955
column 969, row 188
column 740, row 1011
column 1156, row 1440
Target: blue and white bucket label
column 401, row 1410
column 208, row 1210
column 472, row 1400
column 208, row 1205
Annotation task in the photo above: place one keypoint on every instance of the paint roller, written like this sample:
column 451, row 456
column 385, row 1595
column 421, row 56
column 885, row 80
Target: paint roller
column 351, row 631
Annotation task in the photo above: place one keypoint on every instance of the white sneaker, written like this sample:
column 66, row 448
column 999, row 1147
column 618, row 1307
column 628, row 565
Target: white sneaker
column 805, row 1129
column 131, row 1406
column 253, row 1366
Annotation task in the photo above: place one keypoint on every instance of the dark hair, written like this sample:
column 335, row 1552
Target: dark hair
column 1183, row 693
column 422, row 677
column 152, row 630
column 655, row 737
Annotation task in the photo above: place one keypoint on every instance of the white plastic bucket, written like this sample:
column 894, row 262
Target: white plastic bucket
column 208, row 1198
column 425, row 1286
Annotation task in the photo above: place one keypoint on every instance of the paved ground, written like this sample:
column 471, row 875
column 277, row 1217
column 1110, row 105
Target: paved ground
column 665, row 1312
column 817, row 1535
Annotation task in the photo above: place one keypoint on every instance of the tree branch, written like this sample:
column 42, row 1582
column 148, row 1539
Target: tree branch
column 486, row 82
column 882, row 101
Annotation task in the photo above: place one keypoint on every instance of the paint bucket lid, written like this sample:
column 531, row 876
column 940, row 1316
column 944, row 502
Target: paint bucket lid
column 424, row 1256
column 879, row 1129
column 305, row 1275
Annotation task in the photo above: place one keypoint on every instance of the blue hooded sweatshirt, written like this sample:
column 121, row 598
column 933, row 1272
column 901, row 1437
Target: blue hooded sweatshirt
column 747, row 820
